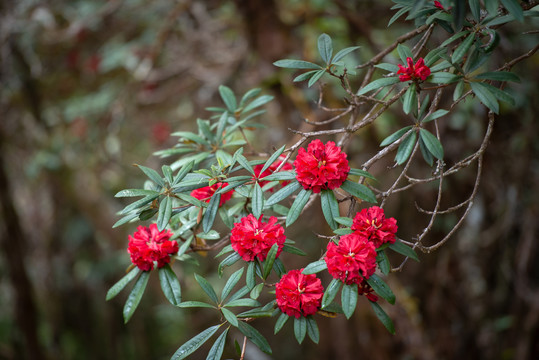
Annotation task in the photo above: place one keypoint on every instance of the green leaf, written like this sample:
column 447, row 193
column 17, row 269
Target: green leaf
column 152, row 175
column 344, row 221
column 359, row 190
column 381, row 288
column 125, row 220
column 121, row 284
column 253, row 335
column 404, row 53
column 165, row 213
column 240, row 293
column 211, row 212
column 305, row 76
column 280, row 176
column 272, row 159
column 316, row 77
column 249, row 95
column 228, row 261
column 485, row 96
column 330, row 207
column 343, row 231
column 395, row 136
column 170, row 285
column 230, row 317
column 167, row 172
column 435, row 115
column 376, row 84
column 403, row 249
column 251, row 274
column 432, row 143
column 208, row 289
column 458, row 90
column 453, row 38
column 312, row 330
column 405, row 148
column 262, row 100
column 443, row 78
column 315, row 267
column 397, row 15
column 194, row 343
column 388, row 67
column 231, row 282
column 216, row 350
column 359, row 172
column 190, row 304
column 383, row 262
column 341, row 54
column 256, row 313
column 325, row 48
column 382, row 316
column 429, row 159
column 459, row 12
column 136, row 294
column 183, row 172
column 257, row 200
column 349, row 297
column 297, row 206
column 499, row 76
column 296, row 64
column 255, row 292
column 410, row 100
column 463, row 48
column 136, row 192
column 228, row 98
column 300, row 328
column 270, row 259
column 433, row 56
column 331, row 292
column 514, row 9
column 501, row 95
column 475, row 9
column 440, row 66
column 281, row 320
column 242, row 302
column 293, row 250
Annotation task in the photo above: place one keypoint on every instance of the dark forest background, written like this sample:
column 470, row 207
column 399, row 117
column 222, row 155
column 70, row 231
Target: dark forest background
column 89, row 88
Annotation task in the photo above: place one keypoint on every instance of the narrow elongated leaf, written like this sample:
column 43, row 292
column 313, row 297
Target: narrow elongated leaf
column 459, row 89
column 349, row 297
column 279, row 268
column 433, row 56
column 296, row 64
column 281, row 320
column 330, row 207
column 405, row 148
column 359, row 172
column 249, row 95
column 499, row 76
column 429, row 159
column 297, row 206
column 165, row 213
column 404, row 53
column 245, row 164
column 395, row 136
column 514, row 9
column 376, row 84
column 251, row 274
column 388, row 67
column 316, row 77
column 484, row 94
column 121, row 284
column 403, row 249
column 312, row 330
column 279, row 176
column 211, row 212
column 228, row 98
column 242, row 302
column 230, row 317
column 255, row 292
column 500, row 94
column 183, row 172
column 293, row 250
column 382, row 316
column 341, row 54
column 256, row 338
column 359, row 190
column 272, row 159
column 300, row 328
column 270, row 259
column 262, row 100
column 331, row 292
column 125, row 220
column 136, row 192
column 475, row 9
column 194, row 343
column 139, row 203
column 459, row 12
column 152, row 175
column 190, row 304
column 283, row 193
column 443, row 78
column 240, row 293
column 208, row 289
column 383, row 262
column 305, row 76
column 409, row 103
column 257, row 200
column 435, row 115
column 170, row 285
column 397, row 15
column 231, row 282
column 344, row 221
column 315, row 267
column 325, row 48
column 432, row 143
column 218, row 347
column 462, row 49
column 136, row 294
column 381, row 288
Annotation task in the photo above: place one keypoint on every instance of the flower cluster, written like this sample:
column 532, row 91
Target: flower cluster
column 252, row 238
column 373, row 224
column 321, row 166
column 298, row 294
column 205, row 193
column 148, row 244
column 270, row 170
column 439, row 5
column 353, row 259
column 419, row 71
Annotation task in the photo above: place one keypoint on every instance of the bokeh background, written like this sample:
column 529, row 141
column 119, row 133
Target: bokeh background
column 89, row 88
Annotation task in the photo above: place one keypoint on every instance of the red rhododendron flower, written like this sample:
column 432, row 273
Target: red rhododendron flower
column 270, row 170
column 252, row 237
column 205, row 193
column 321, row 166
column 439, row 5
column 365, row 289
column 148, row 244
column 419, row 71
column 352, row 260
column 373, row 224
column 298, row 294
